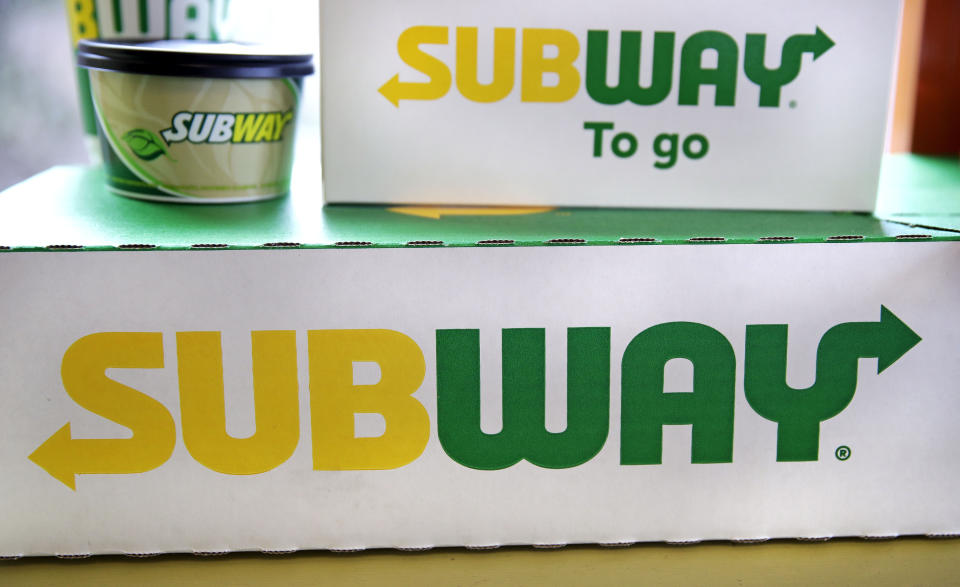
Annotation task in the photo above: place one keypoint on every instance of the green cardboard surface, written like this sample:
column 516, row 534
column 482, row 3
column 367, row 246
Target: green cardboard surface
column 922, row 191
column 70, row 207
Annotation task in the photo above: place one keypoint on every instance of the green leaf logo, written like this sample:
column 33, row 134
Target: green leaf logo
column 146, row 144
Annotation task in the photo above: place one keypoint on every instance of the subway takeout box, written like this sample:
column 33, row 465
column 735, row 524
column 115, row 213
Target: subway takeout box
column 689, row 104
column 279, row 376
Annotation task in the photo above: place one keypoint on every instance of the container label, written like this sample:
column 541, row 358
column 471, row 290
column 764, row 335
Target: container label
column 214, row 128
column 234, row 144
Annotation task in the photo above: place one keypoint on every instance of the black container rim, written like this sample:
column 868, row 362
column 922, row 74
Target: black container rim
column 188, row 58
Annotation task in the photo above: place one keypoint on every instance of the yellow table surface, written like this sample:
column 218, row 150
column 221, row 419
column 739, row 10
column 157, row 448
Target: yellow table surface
column 905, row 561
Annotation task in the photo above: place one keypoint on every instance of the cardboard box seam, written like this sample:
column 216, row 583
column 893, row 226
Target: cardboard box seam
column 701, row 240
column 922, row 226
column 492, row 547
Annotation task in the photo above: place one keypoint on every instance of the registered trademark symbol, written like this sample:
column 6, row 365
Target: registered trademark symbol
column 793, row 103
column 843, row 453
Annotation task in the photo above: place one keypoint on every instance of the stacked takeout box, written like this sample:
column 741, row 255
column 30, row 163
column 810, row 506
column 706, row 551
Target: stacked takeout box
column 685, row 325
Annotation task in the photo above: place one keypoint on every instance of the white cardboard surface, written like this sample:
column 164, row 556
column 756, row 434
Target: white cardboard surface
column 900, row 425
column 821, row 154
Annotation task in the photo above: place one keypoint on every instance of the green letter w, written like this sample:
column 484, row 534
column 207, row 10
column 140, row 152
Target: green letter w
column 524, row 434
column 629, row 86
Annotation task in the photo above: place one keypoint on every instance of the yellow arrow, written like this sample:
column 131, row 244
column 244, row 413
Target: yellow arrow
column 408, row 48
column 85, row 381
column 396, row 90
column 436, row 212
column 65, row 457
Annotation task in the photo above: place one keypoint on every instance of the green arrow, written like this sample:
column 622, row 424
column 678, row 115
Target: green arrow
column 799, row 412
column 771, row 81
column 896, row 341
column 817, row 43
column 887, row 340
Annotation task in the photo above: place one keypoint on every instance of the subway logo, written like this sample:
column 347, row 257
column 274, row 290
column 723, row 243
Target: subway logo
column 334, row 397
column 549, row 67
column 219, row 128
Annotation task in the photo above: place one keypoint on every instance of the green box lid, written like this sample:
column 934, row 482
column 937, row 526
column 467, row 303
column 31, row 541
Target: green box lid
column 70, row 208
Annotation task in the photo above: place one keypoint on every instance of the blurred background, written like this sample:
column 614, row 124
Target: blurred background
column 40, row 123
column 926, row 113
column 40, row 116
